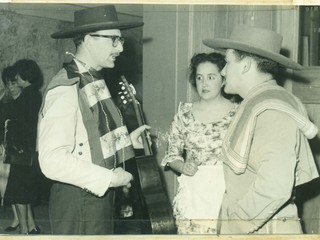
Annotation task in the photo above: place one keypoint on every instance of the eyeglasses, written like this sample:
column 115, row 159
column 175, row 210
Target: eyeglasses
column 115, row 39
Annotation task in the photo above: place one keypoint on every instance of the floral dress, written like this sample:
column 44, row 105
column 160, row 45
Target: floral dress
column 197, row 203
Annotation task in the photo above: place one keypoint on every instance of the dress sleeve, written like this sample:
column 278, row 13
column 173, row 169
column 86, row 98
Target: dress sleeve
column 273, row 158
column 175, row 141
column 57, row 139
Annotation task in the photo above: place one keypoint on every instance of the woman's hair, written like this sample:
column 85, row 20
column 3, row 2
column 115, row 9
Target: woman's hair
column 214, row 58
column 29, row 71
column 8, row 75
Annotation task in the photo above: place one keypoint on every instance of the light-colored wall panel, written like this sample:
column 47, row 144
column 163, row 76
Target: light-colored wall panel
column 165, row 32
column 173, row 42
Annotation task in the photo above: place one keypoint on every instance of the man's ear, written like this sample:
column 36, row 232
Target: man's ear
column 246, row 64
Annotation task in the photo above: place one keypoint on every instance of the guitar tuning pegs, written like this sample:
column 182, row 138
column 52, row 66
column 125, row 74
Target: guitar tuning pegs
column 125, row 101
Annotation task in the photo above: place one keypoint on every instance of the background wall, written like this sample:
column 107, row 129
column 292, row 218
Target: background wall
column 24, row 36
column 175, row 33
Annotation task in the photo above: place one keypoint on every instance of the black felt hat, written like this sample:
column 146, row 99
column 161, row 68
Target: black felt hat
column 94, row 19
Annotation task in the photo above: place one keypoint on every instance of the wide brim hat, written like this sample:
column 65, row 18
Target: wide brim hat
column 258, row 41
column 94, row 19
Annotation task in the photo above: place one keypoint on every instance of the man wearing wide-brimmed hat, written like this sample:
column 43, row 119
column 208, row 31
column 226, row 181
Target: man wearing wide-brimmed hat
column 82, row 139
column 265, row 151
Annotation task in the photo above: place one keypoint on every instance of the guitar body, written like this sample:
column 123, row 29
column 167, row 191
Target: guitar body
column 152, row 210
column 157, row 203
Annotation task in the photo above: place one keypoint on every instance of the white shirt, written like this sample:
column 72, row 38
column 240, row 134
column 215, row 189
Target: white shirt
column 64, row 151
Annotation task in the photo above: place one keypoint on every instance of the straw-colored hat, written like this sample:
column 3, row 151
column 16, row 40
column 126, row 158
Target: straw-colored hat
column 95, row 19
column 262, row 42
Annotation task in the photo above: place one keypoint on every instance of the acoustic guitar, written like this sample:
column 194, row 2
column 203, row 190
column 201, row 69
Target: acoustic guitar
column 155, row 200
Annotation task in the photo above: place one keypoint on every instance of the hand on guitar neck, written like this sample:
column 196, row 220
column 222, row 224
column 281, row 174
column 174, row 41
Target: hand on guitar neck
column 140, row 138
column 136, row 136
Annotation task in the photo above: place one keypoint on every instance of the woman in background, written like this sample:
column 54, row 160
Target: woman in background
column 10, row 92
column 23, row 182
column 194, row 146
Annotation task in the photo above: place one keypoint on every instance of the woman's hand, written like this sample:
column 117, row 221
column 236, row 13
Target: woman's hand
column 189, row 168
column 136, row 137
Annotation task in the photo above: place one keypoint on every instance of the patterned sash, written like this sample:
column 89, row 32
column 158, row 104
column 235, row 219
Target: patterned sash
column 109, row 140
column 237, row 142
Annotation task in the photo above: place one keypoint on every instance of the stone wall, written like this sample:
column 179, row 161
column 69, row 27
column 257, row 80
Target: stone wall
column 24, row 36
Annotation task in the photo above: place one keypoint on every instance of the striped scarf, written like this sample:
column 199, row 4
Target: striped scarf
column 237, row 143
column 109, row 140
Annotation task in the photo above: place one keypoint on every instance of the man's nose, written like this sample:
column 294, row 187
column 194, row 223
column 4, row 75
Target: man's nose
column 223, row 72
column 119, row 47
column 205, row 81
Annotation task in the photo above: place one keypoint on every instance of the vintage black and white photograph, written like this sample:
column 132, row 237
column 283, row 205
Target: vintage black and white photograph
column 159, row 119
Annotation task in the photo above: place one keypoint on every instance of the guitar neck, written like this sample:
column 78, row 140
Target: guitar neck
column 141, row 121
column 140, row 118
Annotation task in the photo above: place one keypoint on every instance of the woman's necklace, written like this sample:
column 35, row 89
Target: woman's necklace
column 97, row 89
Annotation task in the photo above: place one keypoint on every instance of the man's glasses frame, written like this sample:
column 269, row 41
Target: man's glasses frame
column 115, row 39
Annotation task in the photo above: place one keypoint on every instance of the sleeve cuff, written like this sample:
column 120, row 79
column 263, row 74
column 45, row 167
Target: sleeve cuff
column 168, row 159
column 99, row 187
